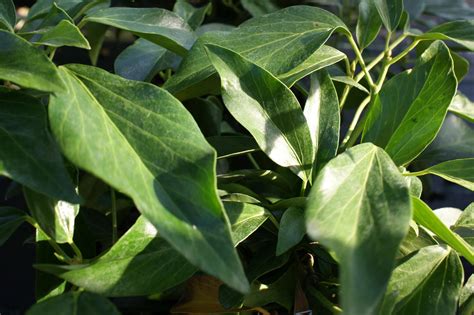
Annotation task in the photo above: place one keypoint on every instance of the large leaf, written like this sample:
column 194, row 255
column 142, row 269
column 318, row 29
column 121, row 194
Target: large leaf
column 160, row 26
column 322, row 114
column 409, row 111
column 359, row 207
column 278, row 42
column 368, row 23
column 140, row 263
column 10, row 220
column 461, row 32
column 390, row 12
column 63, row 34
column 292, row 230
column 459, row 171
column 74, row 302
column 25, row 65
column 7, row 14
column 140, row 140
column 431, row 278
column 28, row 154
column 55, row 217
column 424, row 216
column 266, row 108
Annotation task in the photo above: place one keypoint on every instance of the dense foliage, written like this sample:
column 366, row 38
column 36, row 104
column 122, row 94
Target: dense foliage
column 275, row 166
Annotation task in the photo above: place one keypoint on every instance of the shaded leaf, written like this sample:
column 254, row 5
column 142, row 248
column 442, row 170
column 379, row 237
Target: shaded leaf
column 10, row 220
column 266, row 108
column 292, row 230
column 390, row 12
column 460, row 32
column 244, row 219
column 359, row 207
column 25, row 65
column 7, row 14
column 409, row 111
column 368, row 23
column 351, row 82
column 229, row 146
column 193, row 16
column 259, row 7
column 466, row 298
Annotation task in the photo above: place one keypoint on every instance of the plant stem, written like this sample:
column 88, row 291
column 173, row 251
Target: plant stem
column 52, row 53
column 324, row 301
column 114, row 215
column 405, row 52
column 77, row 251
column 419, row 173
column 356, row 127
column 361, row 61
column 253, row 161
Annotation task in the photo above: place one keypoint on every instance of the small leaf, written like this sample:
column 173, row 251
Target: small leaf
column 25, row 65
column 466, row 219
column 430, row 278
column 351, row 82
column 119, row 130
column 459, row 171
column 159, row 26
column 322, row 114
column 7, row 15
column 28, row 154
column 390, row 12
column 409, row 111
column 463, row 107
column 74, row 302
column 260, row 7
column 229, row 146
column 266, row 108
column 63, row 34
column 10, row 220
column 368, row 23
column 424, row 216
column 359, row 207
column 244, row 219
column 55, row 217
column 292, row 230
column 466, row 298
column 460, row 32
column 193, row 16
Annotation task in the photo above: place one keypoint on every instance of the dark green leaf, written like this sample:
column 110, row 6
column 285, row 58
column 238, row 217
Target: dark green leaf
column 461, row 65
column 459, row 171
column 424, row 216
column 415, row 240
column 292, row 230
column 351, row 82
column 460, row 32
column 119, row 130
column 7, row 14
column 430, row 279
column 10, row 220
column 359, row 207
column 25, row 65
column 368, row 23
column 244, row 219
column 55, row 217
column 74, row 302
column 322, row 114
column 228, row 146
column 390, row 12
column 265, row 107
column 466, row 298
column 143, row 60
column 259, row 7
column 140, row 263
column 28, row 154
column 409, row 111
column 193, row 16
column 414, row 7
column 95, row 34
column 278, row 42
column 160, row 26
column 63, row 34
column 463, row 107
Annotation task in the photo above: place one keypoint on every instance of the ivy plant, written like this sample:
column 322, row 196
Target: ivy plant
column 280, row 165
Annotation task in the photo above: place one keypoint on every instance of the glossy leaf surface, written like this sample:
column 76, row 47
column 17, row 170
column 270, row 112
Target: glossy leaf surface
column 430, row 279
column 359, row 207
column 28, row 154
column 266, row 108
column 160, row 26
column 10, row 220
column 118, row 130
column 24, row 65
column 410, row 109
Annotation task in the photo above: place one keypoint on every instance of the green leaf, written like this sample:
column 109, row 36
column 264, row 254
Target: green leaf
column 193, row 16
column 292, row 230
column 140, row 263
column 159, row 26
column 10, row 220
column 460, row 32
column 430, row 278
column 28, row 154
column 461, row 65
column 322, row 114
column 25, row 65
column 95, row 34
column 229, row 146
column 119, row 130
column 259, row 7
column 409, row 111
column 390, row 12
column 414, row 7
column 63, row 34
column 266, row 108
column 7, row 15
column 278, row 42
column 466, row 298
column 368, row 23
column 351, row 82
column 459, row 171
column 244, row 219
column 359, row 207
column 74, row 302
column 466, row 219
column 415, row 184
column 463, row 107
column 55, row 217
column 424, row 216
column 143, row 60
